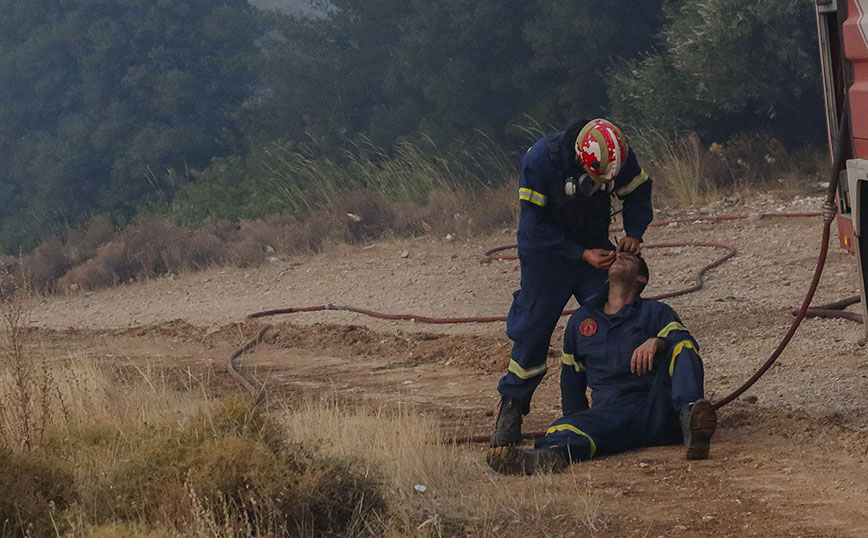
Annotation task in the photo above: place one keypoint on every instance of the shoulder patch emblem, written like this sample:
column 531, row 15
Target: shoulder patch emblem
column 588, row 327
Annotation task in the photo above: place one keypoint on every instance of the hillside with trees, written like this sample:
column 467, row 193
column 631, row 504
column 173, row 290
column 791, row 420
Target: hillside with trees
column 130, row 110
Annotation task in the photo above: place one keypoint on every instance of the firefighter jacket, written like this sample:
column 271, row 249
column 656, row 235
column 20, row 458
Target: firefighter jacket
column 553, row 223
column 598, row 349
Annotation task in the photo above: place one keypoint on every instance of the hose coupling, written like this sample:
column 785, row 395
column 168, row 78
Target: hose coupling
column 830, row 209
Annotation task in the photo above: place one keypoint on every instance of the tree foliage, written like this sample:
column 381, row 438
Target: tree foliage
column 99, row 98
column 117, row 107
column 726, row 67
column 396, row 69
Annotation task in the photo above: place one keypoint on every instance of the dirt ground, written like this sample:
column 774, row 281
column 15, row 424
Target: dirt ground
column 789, row 458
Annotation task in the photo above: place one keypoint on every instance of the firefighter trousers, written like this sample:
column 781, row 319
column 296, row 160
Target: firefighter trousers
column 623, row 421
column 546, row 286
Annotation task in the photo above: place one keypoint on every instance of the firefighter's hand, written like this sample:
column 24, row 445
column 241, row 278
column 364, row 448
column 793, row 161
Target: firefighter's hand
column 628, row 244
column 643, row 356
column 599, row 257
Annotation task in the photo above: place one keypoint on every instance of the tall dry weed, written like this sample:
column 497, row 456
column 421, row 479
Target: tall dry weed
column 406, row 444
column 458, row 493
column 25, row 382
column 679, row 165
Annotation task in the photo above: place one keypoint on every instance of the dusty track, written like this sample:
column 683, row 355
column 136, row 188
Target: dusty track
column 790, row 457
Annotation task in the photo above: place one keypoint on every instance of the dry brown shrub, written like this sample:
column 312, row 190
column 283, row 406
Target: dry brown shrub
column 322, row 228
column 48, row 262
column 96, row 232
column 442, row 210
column 143, row 251
column 494, row 209
column 245, row 254
column 368, row 215
column 409, row 220
column 272, row 234
column 107, row 268
column 81, row 244
column 257, row 240
column 204, row 250
column 9, row 275
column 156, row 248
column 226, row 231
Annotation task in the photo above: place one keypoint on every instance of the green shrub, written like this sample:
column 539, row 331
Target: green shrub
column 32, row 491
column 230, row 469
column 724, row 68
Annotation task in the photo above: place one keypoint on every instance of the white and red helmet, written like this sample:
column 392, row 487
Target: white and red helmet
column 601, row 149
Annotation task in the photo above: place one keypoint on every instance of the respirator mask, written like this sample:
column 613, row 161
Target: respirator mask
column 585, row 186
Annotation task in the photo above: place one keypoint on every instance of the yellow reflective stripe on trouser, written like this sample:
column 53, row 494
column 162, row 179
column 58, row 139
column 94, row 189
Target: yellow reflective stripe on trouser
column 633, row 185
column 674, row 326
column 532, row 196
column 526, row 374
column 678, row 347
column 570, row 360
column 571, row 428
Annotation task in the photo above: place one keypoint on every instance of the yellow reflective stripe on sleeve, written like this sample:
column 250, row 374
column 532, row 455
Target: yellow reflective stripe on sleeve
column 532, row 196
column 674, row 326
column 570, row 360
column 633, row 185
column 676, row 350
column 571, row 428
column 526, row 374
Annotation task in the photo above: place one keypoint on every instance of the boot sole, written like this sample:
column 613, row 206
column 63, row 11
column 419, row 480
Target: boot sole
column 515, row 461
column 703, row 423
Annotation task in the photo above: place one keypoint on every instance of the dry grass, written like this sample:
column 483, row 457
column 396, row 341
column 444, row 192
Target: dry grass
column 678, row 167
column 689, row 174
column 128, row 450
column 101, row 449
column 401, row 441
column 462, row 496
column 44, row 398
column 683, row 173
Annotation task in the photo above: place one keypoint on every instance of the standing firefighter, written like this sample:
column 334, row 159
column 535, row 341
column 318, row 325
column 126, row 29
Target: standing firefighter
column 567, row 180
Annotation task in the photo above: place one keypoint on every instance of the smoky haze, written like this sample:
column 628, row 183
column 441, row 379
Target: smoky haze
column 124, row 111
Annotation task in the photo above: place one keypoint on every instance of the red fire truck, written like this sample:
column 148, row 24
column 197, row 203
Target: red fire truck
column 842, row 28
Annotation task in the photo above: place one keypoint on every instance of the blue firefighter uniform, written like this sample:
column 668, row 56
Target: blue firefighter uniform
column 628, row 410
column 554, row 230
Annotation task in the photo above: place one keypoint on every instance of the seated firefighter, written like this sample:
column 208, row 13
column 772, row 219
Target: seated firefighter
column 645, row 375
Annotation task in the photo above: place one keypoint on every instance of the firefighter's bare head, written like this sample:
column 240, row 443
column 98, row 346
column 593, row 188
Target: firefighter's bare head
column 629, row 270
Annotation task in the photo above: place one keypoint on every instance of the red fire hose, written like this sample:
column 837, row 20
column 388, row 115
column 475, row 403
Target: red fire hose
column 834, row 310
column 830, row 310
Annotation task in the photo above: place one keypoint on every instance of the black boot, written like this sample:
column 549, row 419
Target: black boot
column 507, row 428
column 698, row 422
column 514, row 460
